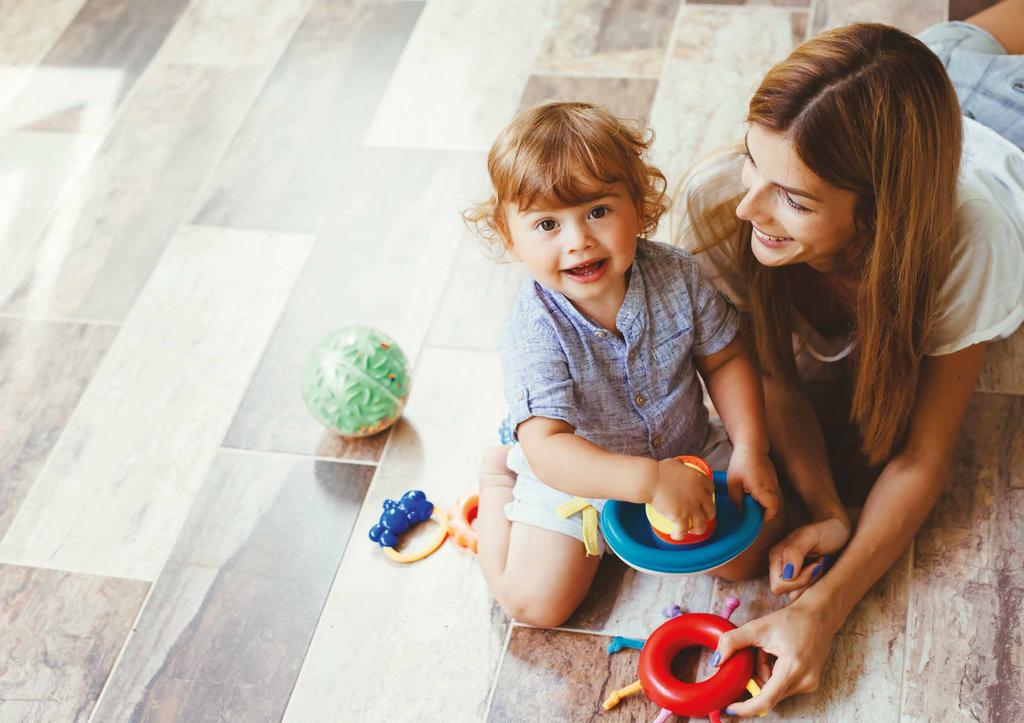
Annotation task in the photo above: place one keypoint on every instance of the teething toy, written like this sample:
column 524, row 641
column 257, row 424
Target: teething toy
column 460, row 520
column 398, row 517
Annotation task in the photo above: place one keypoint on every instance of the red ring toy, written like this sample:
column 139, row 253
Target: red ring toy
column 679, row 696
column 460, row 520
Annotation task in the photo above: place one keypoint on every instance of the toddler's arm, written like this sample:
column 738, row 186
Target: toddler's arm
column 734, row 383
column 562, row 459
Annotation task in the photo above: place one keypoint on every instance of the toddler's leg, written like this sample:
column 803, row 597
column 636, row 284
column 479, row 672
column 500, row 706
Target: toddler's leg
column 537, row 576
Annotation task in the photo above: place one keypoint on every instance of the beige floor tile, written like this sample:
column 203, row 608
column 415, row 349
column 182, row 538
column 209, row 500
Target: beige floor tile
column 477, row 297
column 302, row 134
column 29, row 29
column 427, row 633
column 36, row 170
column 90, row 69
column 110, row 229
column 232, row 32
column 448, row 91
column 625, row 97
column 44, row 368
column 116, row 488
column 229, row 619
column 60, row 633
column 706, row 83
column 607, row 38
column 383, row 259
column 913, row 16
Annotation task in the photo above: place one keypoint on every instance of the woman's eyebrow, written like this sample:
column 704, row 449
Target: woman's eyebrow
column 787, row 189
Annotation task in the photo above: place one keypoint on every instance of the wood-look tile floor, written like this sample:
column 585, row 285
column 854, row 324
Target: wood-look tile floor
column 194, row 192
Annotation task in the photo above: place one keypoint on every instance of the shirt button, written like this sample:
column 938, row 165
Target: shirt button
column 641, row 400
column 657, row 442
column 521, row 396
column 601, row 334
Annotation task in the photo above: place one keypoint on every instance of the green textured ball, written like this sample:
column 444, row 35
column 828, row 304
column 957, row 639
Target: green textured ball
column 356, row 381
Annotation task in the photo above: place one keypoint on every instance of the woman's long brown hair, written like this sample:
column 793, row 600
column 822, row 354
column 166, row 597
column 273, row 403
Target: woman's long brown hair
column 869, row 109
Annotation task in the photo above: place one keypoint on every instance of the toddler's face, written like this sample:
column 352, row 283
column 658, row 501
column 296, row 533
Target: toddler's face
column 580, row 251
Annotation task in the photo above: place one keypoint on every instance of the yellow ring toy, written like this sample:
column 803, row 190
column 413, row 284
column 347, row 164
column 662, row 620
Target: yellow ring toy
column 460, row 521
column 441, row 519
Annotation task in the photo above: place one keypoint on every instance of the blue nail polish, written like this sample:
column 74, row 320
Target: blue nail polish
column 729, row 711
column 825, row 560
column 816, row 570
column 787, row 571
column 716, row 659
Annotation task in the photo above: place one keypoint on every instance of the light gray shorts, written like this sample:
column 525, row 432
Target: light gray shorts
column 534, row 503
column 988, row 82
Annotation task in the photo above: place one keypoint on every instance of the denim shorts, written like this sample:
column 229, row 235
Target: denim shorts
column 988, row 82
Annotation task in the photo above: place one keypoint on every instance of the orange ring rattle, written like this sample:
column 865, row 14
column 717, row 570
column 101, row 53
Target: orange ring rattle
column 662, row 527
column 460, row 521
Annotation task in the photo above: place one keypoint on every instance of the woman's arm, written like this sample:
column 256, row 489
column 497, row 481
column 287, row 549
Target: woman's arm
column 800, row 635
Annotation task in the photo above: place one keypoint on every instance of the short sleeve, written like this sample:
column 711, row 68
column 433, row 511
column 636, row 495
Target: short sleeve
column 537, row 376
column 714, row 317
column 982, row 298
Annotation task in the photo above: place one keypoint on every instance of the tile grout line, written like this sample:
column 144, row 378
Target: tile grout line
column 497, row 673
column 299, row 455
column 906, row 627
column 59, row 319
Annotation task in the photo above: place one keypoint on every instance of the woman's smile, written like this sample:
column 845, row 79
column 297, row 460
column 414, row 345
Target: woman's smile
column 770, row 241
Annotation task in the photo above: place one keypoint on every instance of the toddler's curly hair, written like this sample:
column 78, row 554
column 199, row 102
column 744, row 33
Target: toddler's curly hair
column 566, row 153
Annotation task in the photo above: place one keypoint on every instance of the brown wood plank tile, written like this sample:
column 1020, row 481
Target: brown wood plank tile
column 93, row 65
column 111, row 228
column 1004, row 366
column 372, row 265
column 284, row 166
column 227, row 625
column 61, row 633
column 549, row 675
column 965, row 656
column 625, row 97
column 44, row 368
column 963, row 9
column 623, row 601
column 608, row 38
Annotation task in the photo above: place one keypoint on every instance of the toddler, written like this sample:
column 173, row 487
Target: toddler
column 601, row 356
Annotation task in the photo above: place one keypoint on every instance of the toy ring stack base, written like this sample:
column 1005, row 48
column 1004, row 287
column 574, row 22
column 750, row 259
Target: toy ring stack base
column 694, row 700
column 441, row 520
column 628, row 533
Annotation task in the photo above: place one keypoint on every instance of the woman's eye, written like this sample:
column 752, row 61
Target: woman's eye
column 599, row 212
column 793, row 204
column 546, row 225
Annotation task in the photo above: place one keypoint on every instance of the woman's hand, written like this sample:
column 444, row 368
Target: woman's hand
column 799, row 636
column 819, row 542
column 752, row 471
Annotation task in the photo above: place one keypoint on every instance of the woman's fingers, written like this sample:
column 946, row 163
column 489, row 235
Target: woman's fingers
column 775, row 689
column 744, row 636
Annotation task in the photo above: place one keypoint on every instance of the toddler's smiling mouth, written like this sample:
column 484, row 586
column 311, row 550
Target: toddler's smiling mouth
column 588, row 271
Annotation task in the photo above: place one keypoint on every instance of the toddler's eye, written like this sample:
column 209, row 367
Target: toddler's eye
column 599, row 211
column 547, row 225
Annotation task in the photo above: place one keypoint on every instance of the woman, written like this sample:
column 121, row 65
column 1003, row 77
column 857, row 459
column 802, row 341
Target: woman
column 866, row 247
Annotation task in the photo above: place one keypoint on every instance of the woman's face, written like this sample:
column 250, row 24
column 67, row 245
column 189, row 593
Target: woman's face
column 797, row 217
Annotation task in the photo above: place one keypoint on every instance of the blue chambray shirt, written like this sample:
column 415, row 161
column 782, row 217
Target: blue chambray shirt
column 639, row 395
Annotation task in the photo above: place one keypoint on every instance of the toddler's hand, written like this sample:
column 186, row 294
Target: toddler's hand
column 684, row 496
column 752, row 471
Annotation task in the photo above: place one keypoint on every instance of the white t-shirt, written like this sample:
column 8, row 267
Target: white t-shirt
column 983, row 298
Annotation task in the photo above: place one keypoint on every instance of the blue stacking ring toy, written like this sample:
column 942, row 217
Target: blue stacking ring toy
column 629, row 534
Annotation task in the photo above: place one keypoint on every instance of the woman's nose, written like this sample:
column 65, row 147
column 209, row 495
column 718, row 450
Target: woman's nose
column 752, row 206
